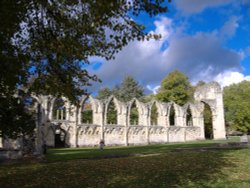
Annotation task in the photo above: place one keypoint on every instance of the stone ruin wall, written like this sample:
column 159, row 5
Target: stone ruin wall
column 77, row 134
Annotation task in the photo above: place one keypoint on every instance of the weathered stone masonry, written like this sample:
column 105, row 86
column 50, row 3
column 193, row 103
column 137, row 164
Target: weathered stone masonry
column 62, row 125
column 66, row 124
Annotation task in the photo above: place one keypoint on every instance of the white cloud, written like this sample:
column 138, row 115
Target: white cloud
column 153, row 89
column 230, row 77
column 200, row 56
column 230, row 27
column 196, row 6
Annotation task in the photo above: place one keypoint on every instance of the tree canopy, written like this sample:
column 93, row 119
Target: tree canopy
column 175, row 87
column 45, row 44
column 126, row 91
column 237, row 106
column 58, row 37
column 104, row 93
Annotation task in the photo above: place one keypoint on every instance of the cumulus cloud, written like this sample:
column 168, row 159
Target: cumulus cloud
column 196, row 6
column 230, row 77
column 230, row 27
column 201, row 56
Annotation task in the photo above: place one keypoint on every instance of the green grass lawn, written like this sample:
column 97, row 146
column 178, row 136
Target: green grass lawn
column 169, row 165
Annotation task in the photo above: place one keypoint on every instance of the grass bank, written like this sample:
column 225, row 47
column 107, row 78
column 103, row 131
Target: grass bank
column 159, row 166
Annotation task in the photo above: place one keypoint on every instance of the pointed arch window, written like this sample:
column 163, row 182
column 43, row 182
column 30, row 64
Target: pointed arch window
column 154, row 115
column 189, row 118
column 172, row 116
column 87, row 112
column 208, row 121
column 111, row 114
column 59, row 110
column 134, row 115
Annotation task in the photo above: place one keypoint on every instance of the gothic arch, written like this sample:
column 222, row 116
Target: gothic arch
column 171, row 116
column 59, row 109
column 188, row 115
column 212, row 95
column 86, row 110
column 133, row 112
column 116, row 110
column 154, row 113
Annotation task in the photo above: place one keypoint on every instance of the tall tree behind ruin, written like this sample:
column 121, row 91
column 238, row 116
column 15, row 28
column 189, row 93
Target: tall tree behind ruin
column 104, row 93
column 175, row 87
column 237, row 106
column 128, row 89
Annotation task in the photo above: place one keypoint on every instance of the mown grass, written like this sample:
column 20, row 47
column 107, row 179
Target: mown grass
column 166, row 168
column 63, row 154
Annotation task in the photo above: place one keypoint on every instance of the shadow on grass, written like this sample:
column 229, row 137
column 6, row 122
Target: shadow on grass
column 63, row 154
column 170, row 169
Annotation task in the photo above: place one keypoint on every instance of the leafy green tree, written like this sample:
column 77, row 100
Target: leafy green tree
column 58, row 37
column 104, row 93
column 148, row 98
column 200, row 83
column 128, row 89
column 15, row 118
column 175, row 87
column 237, row 106
column 46, row 43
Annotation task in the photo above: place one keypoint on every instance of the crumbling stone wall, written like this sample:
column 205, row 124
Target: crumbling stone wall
column 212, row 95
column 75, row 133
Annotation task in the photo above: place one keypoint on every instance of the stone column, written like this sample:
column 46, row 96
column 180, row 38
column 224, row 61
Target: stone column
column 179, row 116
column 212, row 95
column 98, row 108
column 197, row 117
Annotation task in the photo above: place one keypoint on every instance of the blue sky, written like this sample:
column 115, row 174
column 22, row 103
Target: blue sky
column 207, row 40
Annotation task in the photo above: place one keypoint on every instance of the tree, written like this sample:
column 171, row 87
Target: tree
column 200, row 83
column 128, row 89
column 45, row 43
column 237, row 106
column 175, row 87
column 104, row 93
column 58, row 37
column 15, row 119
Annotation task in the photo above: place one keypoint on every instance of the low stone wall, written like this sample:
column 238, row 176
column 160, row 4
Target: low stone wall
column 10, row 154
column 137, row 135
column 114, row 135
column 90, row 135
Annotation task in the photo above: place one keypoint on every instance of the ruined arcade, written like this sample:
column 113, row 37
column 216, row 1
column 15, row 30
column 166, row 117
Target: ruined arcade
column 63, row 126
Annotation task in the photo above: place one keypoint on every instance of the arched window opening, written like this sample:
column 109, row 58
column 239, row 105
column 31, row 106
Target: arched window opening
column 154, row 115
column 87, row 113
column 134, row 115
column 172, row 116
column 59, row 110
column 208, row 121
column 60, row 135
column 111, row 113
column 189, row 118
